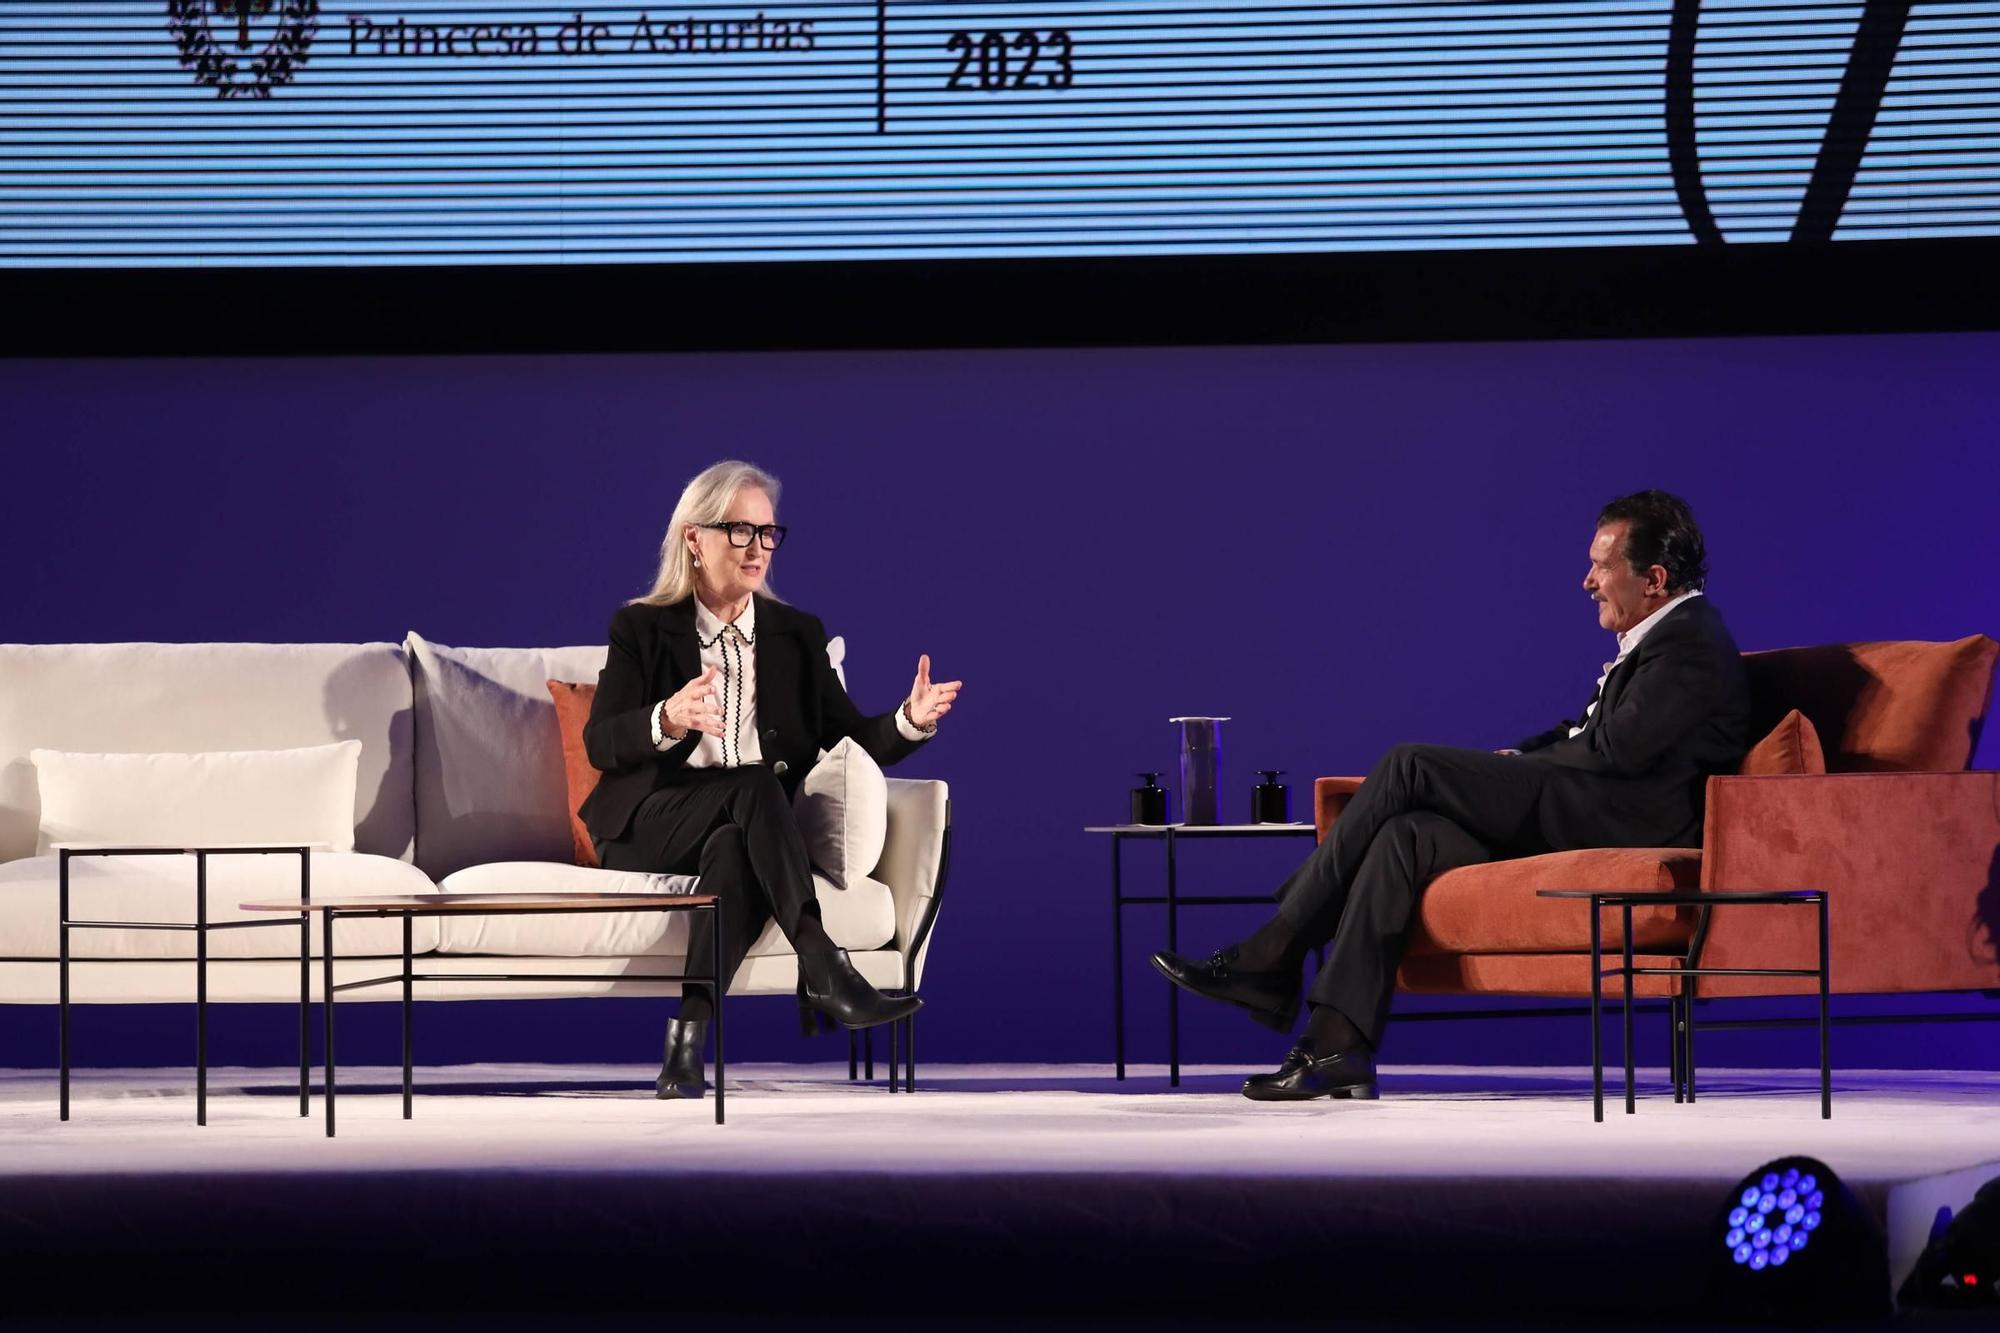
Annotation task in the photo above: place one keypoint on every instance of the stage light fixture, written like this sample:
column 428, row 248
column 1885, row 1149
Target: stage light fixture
column 1960, row 1268
column 1792, row 1244
column 1774, row 1218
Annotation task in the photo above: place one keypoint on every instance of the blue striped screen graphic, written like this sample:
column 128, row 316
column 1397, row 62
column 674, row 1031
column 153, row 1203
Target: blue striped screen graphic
column 173, row 133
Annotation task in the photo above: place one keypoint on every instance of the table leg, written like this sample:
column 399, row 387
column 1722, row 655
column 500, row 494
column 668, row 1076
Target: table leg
column 305, row 984
column 1596, row 1011
column 1627, row 955
column 326, row 1006
column 1117, row 957
column 1674, row 1041
column 1687, row 1040
column 1173, row 944
column 1825, row 1049
column 715, row 985
column 201, row 988
column 62, row 984
column 409, row 1012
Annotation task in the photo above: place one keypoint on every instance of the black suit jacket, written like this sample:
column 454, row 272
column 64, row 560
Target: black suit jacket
column 1672, row 714
column 801, row 706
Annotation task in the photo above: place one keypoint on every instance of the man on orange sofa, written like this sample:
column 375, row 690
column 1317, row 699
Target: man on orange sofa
column 1671, row 709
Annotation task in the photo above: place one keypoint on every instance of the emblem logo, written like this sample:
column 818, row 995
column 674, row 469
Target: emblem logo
column 243, row 48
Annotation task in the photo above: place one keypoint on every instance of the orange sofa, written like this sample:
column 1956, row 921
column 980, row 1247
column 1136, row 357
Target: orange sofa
column 1903, row 838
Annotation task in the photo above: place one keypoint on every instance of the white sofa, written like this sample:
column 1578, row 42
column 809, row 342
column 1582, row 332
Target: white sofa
column 461, row 789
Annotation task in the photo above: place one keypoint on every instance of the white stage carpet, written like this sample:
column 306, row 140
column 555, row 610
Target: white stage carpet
column 1431, row 1122
column 554, row 1178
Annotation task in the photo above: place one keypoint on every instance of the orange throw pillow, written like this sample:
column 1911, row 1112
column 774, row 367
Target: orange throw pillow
column 572, row 711
column 1792, row 747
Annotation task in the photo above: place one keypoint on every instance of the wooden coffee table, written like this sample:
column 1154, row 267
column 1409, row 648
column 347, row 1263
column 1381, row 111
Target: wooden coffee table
column 409, row 907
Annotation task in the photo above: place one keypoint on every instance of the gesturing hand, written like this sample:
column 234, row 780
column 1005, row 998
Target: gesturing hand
column 693, row 707
column 929, row 700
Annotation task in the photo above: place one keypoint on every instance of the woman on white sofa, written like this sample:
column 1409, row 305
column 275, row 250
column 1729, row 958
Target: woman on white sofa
column 714, row 702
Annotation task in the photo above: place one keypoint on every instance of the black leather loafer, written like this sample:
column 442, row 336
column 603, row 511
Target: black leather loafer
column 1304, row 1076
column 1271, row 997
column 680, row 1071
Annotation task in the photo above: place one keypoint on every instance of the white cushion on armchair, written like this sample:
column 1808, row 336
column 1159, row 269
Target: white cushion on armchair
column 843, row 813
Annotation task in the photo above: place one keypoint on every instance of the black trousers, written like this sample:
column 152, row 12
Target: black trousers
column 734, row 828
column 1425, row 809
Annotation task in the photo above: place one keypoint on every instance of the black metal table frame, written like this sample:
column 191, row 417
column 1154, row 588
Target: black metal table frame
column 1681, row 1003
column 409, row 976
column 200, row 926
column 1173, row 900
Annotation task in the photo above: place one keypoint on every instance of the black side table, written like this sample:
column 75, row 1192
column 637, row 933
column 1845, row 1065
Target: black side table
column 1625, row 901
column 1174, row 900
column 201, row 926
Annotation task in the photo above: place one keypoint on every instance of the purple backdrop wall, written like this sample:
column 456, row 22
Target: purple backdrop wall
column 1340, row 547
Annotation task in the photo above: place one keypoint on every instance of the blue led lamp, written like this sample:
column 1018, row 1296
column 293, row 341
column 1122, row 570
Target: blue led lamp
column 1792, row 1244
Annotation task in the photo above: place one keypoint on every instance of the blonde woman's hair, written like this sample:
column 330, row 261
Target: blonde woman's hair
column 705, row 500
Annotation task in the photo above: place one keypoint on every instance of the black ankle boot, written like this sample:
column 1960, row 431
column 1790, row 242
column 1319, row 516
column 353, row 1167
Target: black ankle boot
column 681, row 1072
column 829, row 985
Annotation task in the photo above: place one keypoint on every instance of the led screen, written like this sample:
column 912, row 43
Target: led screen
column 237, row 133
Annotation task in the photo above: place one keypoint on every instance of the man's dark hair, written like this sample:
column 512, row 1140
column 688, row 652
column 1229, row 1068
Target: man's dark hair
column 1660, row 531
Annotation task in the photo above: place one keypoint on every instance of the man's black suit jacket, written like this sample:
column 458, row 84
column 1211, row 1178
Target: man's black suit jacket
column 1674, row 712
column 801, row 706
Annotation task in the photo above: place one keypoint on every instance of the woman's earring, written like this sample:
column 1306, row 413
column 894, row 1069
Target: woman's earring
column 697, row 562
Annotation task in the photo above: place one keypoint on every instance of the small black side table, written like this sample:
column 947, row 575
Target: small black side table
column 1625, row 901
column 1174, row 900
column 201, row 926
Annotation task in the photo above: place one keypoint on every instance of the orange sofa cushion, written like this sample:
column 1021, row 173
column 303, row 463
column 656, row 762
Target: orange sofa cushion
column 1492, row 908
column 1792, row 747
column 572, row 711
column 1881, row 707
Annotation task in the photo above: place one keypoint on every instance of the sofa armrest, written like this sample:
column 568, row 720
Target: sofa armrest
column 914, row 862
column 1330, row 797
column 1910, row 863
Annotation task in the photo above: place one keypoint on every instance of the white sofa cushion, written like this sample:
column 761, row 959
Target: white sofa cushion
column 137, row 698
column 489, row 765
column 843, row 812
column 862, row 916
column 161, row 888
column 222, row 796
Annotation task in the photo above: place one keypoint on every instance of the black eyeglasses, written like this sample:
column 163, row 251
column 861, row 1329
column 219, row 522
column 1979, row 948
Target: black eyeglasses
column 769, row 535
